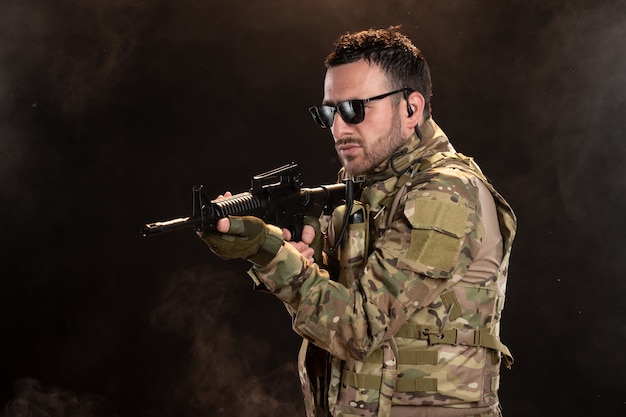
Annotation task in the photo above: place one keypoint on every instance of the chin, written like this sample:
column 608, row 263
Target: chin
column 356, row 165
column 354, row 169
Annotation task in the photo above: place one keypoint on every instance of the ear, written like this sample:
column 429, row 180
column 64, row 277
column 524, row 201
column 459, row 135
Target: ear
column 417, row 102
column 415, row 111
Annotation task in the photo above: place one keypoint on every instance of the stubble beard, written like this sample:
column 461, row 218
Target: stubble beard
column 374, row 154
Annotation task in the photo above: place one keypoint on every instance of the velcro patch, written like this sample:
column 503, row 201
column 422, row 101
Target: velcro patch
column 437, row 211
column 440, row 221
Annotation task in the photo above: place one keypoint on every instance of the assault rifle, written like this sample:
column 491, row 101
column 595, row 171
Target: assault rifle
column 277, row 197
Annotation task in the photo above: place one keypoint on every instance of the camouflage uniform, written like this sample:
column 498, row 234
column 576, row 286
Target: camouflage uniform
column 410, row 331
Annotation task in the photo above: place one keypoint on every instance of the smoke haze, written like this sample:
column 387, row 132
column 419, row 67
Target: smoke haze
column 110, row 111
column 221, row 376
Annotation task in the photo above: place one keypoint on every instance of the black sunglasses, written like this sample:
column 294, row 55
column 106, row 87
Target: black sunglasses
column 351, row 111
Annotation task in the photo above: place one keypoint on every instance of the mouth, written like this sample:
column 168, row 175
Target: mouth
column 348, row 148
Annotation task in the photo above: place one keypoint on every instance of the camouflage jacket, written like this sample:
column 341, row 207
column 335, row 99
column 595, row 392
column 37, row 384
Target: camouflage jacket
column 405, row 327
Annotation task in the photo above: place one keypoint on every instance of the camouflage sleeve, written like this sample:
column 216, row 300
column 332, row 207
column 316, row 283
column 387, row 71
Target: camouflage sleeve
column 427, row 248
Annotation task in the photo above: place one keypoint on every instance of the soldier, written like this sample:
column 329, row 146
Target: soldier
column 398, row 294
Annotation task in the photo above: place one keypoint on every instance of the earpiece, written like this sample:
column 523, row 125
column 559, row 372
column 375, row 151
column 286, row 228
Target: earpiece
column 409, row 109
column 418, row 131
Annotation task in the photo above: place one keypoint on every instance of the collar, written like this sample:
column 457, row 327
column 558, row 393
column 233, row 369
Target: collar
column 433, row 140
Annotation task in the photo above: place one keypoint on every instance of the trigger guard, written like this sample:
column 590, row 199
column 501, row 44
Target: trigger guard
column 295, row 231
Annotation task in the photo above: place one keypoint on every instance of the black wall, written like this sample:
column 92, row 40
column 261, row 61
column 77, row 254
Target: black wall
column 110, row 111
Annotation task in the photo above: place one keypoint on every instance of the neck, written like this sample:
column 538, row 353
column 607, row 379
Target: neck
column 412, row 151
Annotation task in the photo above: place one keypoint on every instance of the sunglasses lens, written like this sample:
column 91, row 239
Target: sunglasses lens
column 315, row 114
column 352, row 111
column 323, row 115
column 327, row 114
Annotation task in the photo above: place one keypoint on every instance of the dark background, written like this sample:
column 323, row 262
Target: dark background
column 111, row 110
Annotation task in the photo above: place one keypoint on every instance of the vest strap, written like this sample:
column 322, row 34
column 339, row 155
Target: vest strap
column 469, row 337
column 364, row 381
column 407, row 357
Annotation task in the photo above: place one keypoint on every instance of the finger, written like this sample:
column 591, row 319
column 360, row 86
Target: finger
column 300, row 246
column 304, row 250
column 223, row 225
column 225, row 195
column 308, row 234
column 286, row 235
column 308, row 254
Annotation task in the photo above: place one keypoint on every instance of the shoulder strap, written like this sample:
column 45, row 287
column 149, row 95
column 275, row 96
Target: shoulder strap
column 434, row 161
column 445, row 158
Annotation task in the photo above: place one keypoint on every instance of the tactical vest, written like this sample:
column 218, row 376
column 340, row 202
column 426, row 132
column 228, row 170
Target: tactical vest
column 447, row 354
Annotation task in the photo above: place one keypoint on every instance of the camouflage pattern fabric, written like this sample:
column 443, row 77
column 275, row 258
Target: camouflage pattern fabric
column 404, row 328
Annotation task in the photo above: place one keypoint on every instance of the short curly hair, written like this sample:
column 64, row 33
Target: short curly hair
column 393, row 52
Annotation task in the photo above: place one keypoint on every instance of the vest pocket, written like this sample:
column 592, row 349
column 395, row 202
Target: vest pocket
column 352, row 252
column 430, row 376
column 457, row 377
column 367, row 388
column 359, row 395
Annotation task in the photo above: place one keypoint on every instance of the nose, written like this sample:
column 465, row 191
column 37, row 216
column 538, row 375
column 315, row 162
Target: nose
column 340, row 128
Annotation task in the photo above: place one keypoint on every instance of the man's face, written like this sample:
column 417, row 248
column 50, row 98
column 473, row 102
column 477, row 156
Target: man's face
column 363, row 146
